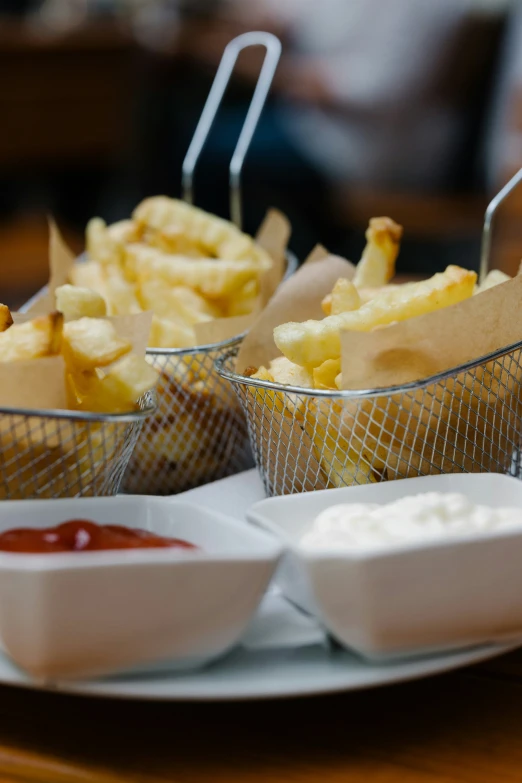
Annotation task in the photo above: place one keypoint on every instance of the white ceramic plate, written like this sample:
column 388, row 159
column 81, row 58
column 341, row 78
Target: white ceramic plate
column 285, row 654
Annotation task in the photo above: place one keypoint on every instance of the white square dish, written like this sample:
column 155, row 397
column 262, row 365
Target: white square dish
column 66, row 615
column 416, row 597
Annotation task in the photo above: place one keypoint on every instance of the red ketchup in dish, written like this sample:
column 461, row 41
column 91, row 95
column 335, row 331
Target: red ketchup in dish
column 81, row 535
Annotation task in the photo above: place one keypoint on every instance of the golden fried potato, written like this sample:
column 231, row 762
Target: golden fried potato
column 172, row 239
column 325, row 376
column 344, row 297
column 242, row 302
column 377, row 264
column 115, row 390
column 217, row 237
column 284, row 371
column 493, row 278
column 90, row 343
column 170, row 334
column 211, row 278
column 313, row 342
column 105, row 244
column 121, row 294
column 179, row 303
column 33, row 339
column 89, row 274
column 6, row 319
column 75, row 302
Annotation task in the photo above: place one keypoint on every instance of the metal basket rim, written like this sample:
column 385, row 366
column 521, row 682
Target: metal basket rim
column 244, row 380
column 83, row 416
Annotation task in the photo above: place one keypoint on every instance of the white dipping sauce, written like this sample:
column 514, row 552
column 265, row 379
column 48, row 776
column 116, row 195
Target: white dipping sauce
column 431, row 515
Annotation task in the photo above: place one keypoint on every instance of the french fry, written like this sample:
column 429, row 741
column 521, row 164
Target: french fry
column 105, row 244
column 89, row 343
column 215, row 236
column 313, row 342
column 121, row 294
column 283, row 371
column 213, row 278
column 179, row 303
column 32, row 340
column 89, row 274
column 377, row 264
column 169, row 334
column 75, row 302
column 243, row 301
column 343, row 299
column 6, row 319
column 493, row 278
column 325, row 376
column 115, row 390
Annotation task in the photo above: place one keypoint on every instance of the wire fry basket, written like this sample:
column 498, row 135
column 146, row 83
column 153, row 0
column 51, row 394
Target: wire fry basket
column 467, row 419
column 199, row 433
column 56, row 454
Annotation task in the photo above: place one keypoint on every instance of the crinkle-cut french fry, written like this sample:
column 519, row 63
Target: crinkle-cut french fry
column 341, row 464
column 281, row 371
column 124, row 231
column 75, row 302
column 89, row 274
column 243, row 301
column 115, row 390
column 267, row 399
column 91, row 342
column 367, row 294
column 120, row 294
column 218, row 237
column 6, row 319
column 100, row 245
column 313, row 342
column 172, row 239
column 179, row 303
column 377, row 264
column 343, row 298
column 324, row 376
column 210, row 277
column 33, row 339
column 493, row 278
column 285, row 372
column 169, row 334
column 129, row 379
column 105, row 243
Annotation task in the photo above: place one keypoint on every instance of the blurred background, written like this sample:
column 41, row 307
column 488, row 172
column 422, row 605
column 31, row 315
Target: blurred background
column 406, row 108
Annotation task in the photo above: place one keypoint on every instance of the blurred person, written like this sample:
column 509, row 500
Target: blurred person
column 377, row 92
column 386, row 96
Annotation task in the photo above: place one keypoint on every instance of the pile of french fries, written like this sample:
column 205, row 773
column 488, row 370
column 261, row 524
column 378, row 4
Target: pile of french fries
column 186, row 266
column 366, row 440
column 47, row 457
column 102, row 374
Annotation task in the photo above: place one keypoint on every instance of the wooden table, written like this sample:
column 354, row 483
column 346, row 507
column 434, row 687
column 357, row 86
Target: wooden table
column 460, row 728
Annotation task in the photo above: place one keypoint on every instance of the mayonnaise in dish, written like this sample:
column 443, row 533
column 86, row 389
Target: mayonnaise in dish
column 431, row 515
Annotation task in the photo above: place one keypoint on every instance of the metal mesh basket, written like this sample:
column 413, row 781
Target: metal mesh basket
column 198, row 433
column 464, row 420
column 54, row 454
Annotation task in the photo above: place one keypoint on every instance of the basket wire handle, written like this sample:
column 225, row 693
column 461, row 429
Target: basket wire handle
column 487, row 232
column 215, row 96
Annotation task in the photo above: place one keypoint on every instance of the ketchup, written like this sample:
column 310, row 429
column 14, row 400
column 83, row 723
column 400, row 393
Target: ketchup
column 81, row 535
